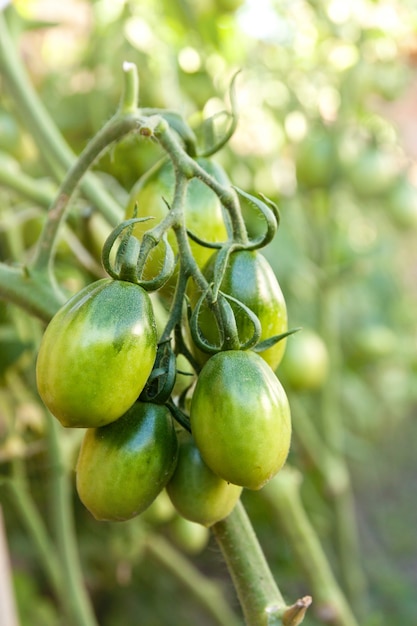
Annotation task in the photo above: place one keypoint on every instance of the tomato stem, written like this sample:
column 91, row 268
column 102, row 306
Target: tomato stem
column 259, row 596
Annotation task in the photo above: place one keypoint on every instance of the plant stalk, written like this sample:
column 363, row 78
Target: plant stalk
column 259, row 596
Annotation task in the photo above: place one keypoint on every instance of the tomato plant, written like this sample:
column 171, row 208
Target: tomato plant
column 249, row 278
column 240, row 418
column 97, row 353
column 123, row 466
column 196, row 492
column 316, row 159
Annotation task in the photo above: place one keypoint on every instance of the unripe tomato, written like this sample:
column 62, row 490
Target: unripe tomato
column 240, row 418
column 306, row 361
column 97, row 353
column 402, row 205
column 123, row 466
column 373, row 172
column 373, row 342
column 316, row 159
column 189, row 536
column 203, row 211
column 196, row 492
column 250, row 279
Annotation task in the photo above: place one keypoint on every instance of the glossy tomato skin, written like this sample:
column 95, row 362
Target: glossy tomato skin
column 123, row 466
column 97, row 353
column 196, row 492
column 249, row 278
column 240, row 418
column 203, row 211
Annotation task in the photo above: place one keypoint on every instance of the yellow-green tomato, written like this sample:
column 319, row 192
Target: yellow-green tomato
column 240, row 418
column 123, row 466
column 197, row 493
column 249, row 278
column 97, row 353
column 306, row 361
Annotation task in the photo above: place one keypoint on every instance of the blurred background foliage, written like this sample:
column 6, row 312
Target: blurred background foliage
column 327, row 95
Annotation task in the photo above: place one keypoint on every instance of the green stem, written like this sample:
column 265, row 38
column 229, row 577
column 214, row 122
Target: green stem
column 159, row 128
column 77, row 600
column 11, row 176
column 113, row 130
column 204, row 590
column 41, row 126
column 130, row 94
column 283, row 494
column 30, row 290
column 259, row 596
column 35, row 527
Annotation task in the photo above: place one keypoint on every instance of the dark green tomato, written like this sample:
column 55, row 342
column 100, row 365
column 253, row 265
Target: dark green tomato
column 97, row 353
column 203, row 211
column 250, row 279
column 306, row 361
column 240, row 418
column 196, row 492
column 123, row 466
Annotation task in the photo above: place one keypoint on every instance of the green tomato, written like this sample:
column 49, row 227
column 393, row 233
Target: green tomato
column 196, row 492
column 306, row 361
column 373, row 172
column 373, row 342
column 316, row 159
column 240, row 418
column 249, row 278
column 402, row 204
column 122, row 467
column 189, row 536
column 97, row 353
column 203, row 211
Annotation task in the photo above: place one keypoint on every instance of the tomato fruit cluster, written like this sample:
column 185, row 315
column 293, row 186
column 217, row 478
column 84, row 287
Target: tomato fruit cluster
column 100, row 367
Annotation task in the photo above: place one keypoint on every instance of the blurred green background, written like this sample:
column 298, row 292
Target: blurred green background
column 327, row 95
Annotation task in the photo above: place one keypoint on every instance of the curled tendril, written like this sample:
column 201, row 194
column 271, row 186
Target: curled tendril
column 215, row 245
column 253, row 318
column 226, row 324
column 208, row 124
column 271, row 215
column 167, row 269
column 161, row 381
column 132, row 255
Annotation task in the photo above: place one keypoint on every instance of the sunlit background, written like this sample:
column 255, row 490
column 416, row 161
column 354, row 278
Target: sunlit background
column 327, row 99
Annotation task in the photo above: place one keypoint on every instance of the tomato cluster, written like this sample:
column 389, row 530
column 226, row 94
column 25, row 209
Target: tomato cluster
column 100, row 367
